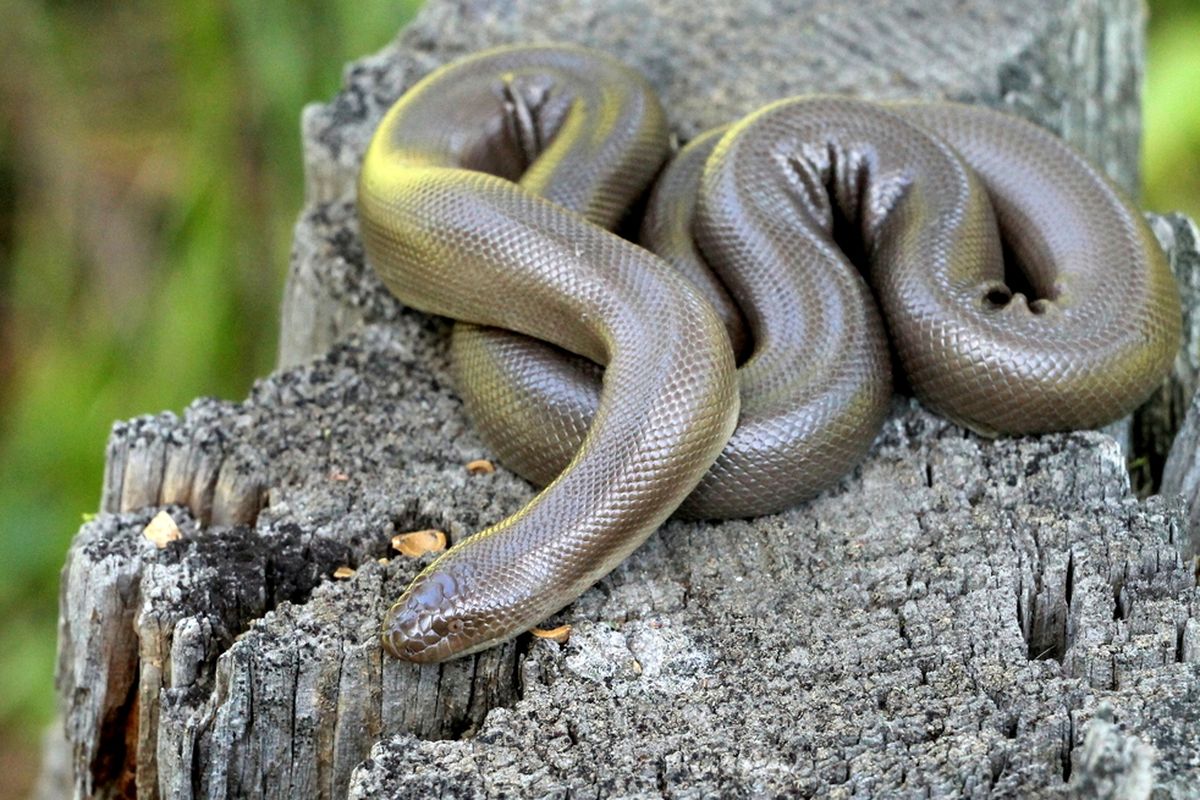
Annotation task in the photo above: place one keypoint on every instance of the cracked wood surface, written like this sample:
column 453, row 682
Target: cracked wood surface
column 958, row 617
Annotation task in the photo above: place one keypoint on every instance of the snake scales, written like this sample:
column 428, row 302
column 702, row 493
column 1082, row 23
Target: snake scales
column 746, row 366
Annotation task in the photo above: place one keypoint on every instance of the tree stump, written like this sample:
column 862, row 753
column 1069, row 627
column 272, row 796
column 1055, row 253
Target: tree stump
column 959, row 617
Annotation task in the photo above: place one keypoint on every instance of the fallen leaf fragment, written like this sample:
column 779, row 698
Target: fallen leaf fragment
column 559, row 634
column 417, row 543
column 481, row 466
column 162, row 530
column 343, row 572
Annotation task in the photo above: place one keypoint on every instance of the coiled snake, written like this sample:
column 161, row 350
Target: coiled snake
column 486, row 195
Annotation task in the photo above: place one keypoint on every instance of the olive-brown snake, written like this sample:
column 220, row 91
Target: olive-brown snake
column 925, row 198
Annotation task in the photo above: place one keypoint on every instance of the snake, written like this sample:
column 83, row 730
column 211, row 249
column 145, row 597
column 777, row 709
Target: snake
column 739, row 359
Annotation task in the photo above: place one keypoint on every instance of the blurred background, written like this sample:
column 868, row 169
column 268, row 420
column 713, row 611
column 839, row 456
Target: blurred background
column 150, row 175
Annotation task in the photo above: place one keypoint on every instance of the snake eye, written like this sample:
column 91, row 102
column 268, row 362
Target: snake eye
column 455, row 625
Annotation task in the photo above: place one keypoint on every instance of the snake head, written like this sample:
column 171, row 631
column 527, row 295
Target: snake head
column 434, row 621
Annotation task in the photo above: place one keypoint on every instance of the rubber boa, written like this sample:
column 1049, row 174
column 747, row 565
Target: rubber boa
column 1020, row 293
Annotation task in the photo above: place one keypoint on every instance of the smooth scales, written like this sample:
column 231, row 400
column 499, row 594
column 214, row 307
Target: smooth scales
column 746, row 366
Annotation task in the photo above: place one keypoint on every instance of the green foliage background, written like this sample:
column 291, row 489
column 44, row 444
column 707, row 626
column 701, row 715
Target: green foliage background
column 150, row 174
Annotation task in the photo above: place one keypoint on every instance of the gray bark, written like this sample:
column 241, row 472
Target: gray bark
column 1181, row 473
column 958, row 617
column 1164, row 458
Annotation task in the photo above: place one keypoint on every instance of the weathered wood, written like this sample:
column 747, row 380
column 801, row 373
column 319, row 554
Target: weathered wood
column 1181, row 472
column 1156, row 423
column 958, row 617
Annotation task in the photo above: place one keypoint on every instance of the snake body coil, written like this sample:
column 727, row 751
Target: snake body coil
column 752, row 225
